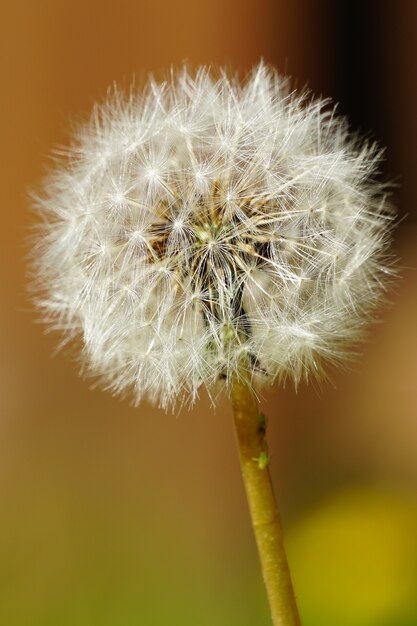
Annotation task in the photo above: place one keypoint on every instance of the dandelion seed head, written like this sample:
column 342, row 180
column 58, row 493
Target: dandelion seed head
column 204, row 225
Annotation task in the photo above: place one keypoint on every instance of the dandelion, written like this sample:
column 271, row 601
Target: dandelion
column 205, row 229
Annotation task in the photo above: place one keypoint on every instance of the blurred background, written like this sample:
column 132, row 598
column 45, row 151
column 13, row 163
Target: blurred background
column 118, row 516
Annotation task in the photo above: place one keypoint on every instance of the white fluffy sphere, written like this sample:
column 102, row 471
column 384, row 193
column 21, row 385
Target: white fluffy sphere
column 204, row 225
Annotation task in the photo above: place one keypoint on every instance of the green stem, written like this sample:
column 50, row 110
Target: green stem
column 250, row 434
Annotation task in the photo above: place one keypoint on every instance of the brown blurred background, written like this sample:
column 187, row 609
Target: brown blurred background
column 118, row 516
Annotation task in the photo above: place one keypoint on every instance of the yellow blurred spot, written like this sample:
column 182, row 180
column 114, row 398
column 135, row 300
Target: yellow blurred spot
column 354, row 559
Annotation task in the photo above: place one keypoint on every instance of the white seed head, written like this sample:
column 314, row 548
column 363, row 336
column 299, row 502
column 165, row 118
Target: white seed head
column 204, row 225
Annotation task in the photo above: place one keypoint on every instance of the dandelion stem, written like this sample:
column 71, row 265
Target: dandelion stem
column 250, row 431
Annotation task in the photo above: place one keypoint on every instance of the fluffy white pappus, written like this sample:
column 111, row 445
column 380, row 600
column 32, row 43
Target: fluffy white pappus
column 204, row 226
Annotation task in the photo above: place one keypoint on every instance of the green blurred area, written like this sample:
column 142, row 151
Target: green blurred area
column 354, row 563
